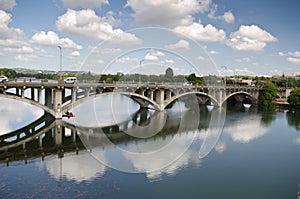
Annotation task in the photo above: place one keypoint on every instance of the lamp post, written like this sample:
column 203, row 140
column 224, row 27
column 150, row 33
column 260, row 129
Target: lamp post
column 140, row 69
column 60, row 61
column 225, row 70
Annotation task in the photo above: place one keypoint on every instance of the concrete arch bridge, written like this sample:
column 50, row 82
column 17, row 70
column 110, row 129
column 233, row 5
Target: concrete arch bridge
column 57, row 97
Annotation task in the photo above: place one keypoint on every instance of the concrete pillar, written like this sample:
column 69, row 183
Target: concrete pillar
column 23, row 92
column 48, row 97
column 39, row 96
column 41, row 141
column 150, row 94
column 57, row 102
column 159, row 98
column 73, row 95
column 168, row 94
column 87, row 92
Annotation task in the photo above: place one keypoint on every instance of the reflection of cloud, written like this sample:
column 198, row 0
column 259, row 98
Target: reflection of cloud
column 297, row 140
column 220, row 146
column 246, row 129
column 15, row 114
column 75, row 167
column 163, row 158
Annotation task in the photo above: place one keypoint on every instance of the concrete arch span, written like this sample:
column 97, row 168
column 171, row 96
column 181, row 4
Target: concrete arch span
column 241, row 93
column 140, row 99
column 196, row 93
column 29, row 101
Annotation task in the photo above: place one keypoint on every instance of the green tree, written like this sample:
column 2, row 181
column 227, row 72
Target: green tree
column 294, row 99
column 10, row 73
column 169, row 74
column 267, row 94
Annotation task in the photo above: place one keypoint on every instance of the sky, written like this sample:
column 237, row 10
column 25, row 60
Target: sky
column 258, row 37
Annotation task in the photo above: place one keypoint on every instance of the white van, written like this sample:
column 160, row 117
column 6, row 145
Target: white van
column 70, row 80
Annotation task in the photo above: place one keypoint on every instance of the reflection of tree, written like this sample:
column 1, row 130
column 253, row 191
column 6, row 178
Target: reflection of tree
column 293, row 119
column 267, row 117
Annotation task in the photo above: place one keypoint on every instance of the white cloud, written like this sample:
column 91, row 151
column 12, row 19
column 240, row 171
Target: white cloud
column 294, row 54
column 213, row 52
column 294, row 60
column 202, row 33
column 281, row 54
column 24, row 49
column 87, row 24
column 153, row 55
column 52, row 39
column 110, row 50
column 200, row 57
column 167, row 13
column 168, row 61
column 7, row 4
column 10, row 37
column 180, row 45
column 75, row 54
column 126, row 60
column 25, row 58
column 227, row 16
column 84, row 4
column 250, row 38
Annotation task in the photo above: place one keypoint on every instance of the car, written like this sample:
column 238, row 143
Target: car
column 70, row 80
column 3, row 78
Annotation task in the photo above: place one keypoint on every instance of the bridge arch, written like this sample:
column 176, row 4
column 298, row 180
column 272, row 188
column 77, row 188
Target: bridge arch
column 252, row 98
column 136, row 97
column 213, row 100
column 29, row 101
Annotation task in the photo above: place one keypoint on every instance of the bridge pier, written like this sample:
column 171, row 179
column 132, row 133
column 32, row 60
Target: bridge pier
column 159, row 98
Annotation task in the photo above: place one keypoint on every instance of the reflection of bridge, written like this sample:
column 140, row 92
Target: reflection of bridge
column 47, row 136
column 58, row 97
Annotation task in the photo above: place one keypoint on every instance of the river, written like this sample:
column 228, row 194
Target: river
column 109, row 152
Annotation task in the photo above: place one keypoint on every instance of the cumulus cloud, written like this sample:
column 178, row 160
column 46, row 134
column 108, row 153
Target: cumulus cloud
column 200, row 32
column 250, row 38
column 50, row 38
column 75, row 54
column 126, row 60
column 295, row 54
column 227, row 16
column 11, row 38
column 153, row 55
column 167, row 13
column 168, row 61
column 180, row 45
column 7, row 4
column 294, row 60
column 84, row 4
column 87, row 24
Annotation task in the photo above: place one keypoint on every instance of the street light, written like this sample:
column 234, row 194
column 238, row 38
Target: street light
column 60, row 61
column 140, row 69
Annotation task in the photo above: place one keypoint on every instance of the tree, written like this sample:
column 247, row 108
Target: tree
column 294, row 99
column 10, row 73
column 169, row 75
column 268, row 93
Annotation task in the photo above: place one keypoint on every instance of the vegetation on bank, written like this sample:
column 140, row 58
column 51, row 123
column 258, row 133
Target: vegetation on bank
column 294, row 99
column 267, row 94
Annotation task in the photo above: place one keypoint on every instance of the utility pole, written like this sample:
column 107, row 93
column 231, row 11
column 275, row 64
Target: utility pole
column 60, row 61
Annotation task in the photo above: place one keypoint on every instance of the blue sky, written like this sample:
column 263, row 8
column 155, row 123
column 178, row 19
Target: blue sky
column 258, row 37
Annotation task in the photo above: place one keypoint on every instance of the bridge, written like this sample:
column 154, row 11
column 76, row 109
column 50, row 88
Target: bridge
column 57, row 97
